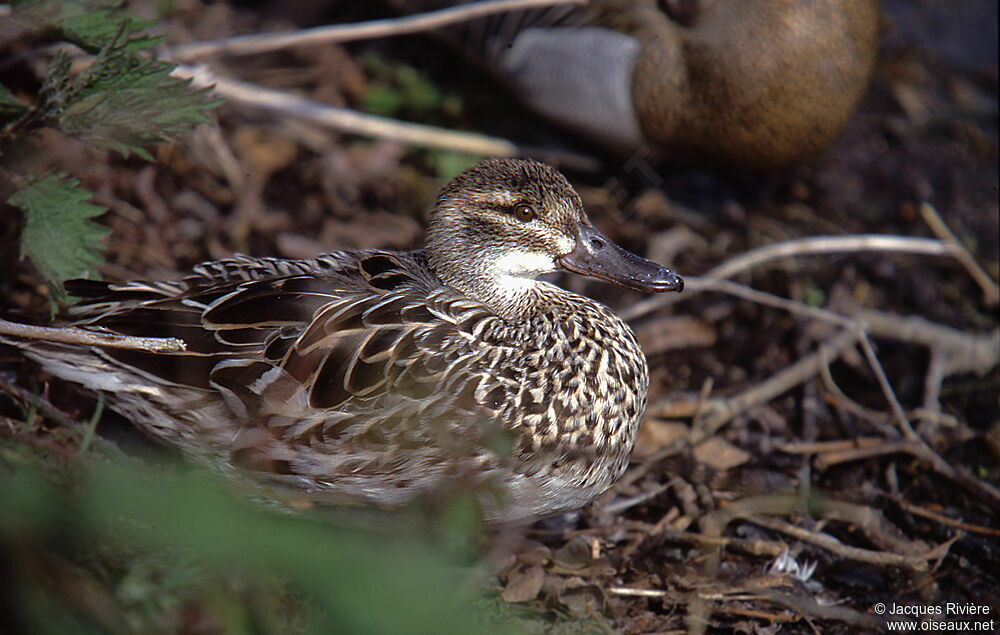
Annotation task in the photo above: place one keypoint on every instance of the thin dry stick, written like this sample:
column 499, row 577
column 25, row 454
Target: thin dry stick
column 883, row 382
column 840, row 400
column 809, row 366
column 714, row 524
column 918, row 449
column 72, row 335
column 952, row 351
column 808, row 606
column 818, row 447
column 353, row 122
column 703, row 395
column 705, row 283
column 48, row 410
column 618, row 506
column 750, row 546
column 42, row 404
column 987, row 492
column 639, row 593
column 766, row 616
column 944, row 520
column 831, row 544
column 264, row 42
column 755, row 508
column 939, row 227
column 816, row 245
column 344, row 119
column 965, row 352
column 924, row 451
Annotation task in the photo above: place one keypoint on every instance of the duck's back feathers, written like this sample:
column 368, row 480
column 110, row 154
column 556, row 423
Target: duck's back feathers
column 328, row 368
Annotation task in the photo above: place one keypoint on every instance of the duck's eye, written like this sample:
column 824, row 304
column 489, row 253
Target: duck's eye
column 524, row 212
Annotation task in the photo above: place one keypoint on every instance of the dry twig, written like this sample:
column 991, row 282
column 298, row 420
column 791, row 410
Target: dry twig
column 81, row 337
column 991, row 292
column 813, row 246
column 834, row 546
column 723, row 410
column 944, row 520
column 952, row 351
column 266, row 42
column 353, row 122
column 874, row 524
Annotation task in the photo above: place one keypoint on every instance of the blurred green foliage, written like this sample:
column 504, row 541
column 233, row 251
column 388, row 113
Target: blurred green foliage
column 113, row 547
column 401, row 91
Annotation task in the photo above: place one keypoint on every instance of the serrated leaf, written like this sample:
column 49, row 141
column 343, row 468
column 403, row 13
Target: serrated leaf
column 90, row 24
column 58, row 237
column 11, row 109
column 124, row 102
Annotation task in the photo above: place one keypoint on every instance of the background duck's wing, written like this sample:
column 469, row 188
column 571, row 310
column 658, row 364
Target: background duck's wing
column 559, row 61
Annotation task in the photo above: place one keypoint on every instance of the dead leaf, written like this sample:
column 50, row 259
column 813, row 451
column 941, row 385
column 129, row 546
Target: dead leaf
column 656, row 434
column 262, row 151
column 720, row 454
column 523, row 583
column 583, row 598
column 577, row 557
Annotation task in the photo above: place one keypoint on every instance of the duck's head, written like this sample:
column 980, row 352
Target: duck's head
column 503, row 222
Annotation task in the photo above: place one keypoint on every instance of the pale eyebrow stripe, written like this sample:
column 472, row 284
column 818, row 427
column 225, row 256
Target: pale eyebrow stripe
column 502, row 197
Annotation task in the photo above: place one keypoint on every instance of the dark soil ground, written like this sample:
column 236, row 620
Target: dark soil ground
column 735, row 488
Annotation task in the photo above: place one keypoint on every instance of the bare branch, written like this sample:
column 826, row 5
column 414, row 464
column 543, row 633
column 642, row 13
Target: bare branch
column 264, row 42
column 831, row 544
column 723, row 410
column 813, row 246
column 818, row 245
column 353, row 122
column 938, row 226
column 883, row 382
column 82, row 337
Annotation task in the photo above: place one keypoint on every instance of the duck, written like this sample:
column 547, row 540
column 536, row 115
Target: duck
column 754, row 85
column 376, row 377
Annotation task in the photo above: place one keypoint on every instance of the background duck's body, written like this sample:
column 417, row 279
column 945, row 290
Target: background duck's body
column 378, row 376
column 753, row 84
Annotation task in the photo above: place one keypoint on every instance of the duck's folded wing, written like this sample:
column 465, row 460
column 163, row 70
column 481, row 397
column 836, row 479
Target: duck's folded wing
column 378, row 389
column 342, row 376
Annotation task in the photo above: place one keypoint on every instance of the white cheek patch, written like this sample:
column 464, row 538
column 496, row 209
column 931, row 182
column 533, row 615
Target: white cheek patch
column 516, row 272
column 525, row 264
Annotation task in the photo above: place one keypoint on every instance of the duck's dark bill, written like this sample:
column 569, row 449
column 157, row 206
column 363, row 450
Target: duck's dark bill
column 596, row 256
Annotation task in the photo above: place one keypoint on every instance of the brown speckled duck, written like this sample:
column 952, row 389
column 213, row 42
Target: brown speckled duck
column 377, row 376
column 753, row 84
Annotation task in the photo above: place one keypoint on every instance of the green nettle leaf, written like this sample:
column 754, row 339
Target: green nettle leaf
column 124, row 102
column 11, row 109
column 89, row 24
column 58, row 237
